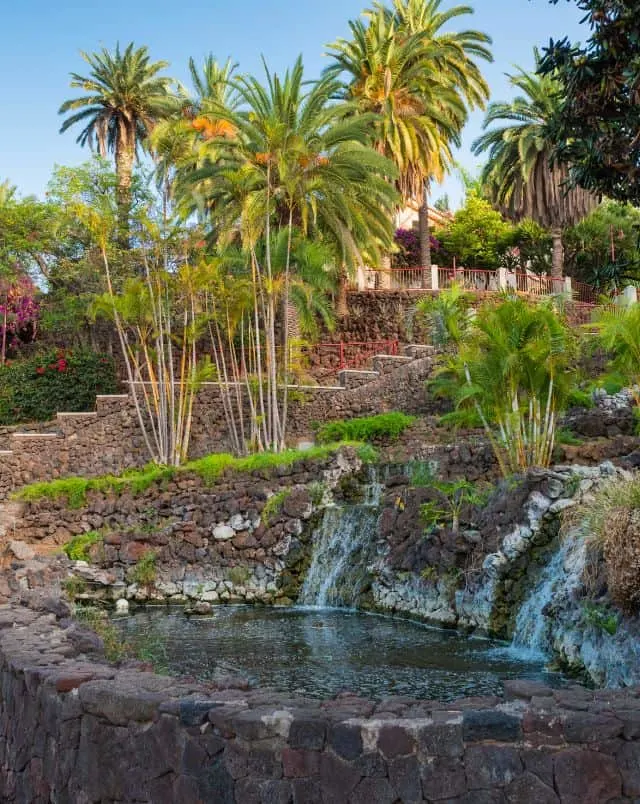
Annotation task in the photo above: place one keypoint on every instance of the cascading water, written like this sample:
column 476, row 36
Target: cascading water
column 344, row 547
column 558, row 580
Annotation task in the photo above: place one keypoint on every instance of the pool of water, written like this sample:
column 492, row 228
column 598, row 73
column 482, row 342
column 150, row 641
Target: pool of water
column 322, row 652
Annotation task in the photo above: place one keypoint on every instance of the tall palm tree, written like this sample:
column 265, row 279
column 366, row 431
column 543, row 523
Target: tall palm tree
column 176, row 140
column 124, row 97
column 460, row 72
column 519, row 175
column 289, row 159
column 419, row 82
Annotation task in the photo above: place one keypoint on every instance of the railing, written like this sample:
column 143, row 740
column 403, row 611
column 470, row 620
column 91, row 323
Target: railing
column 393, row 279
column 474, row 279
column 351, row 354
column 584, row 293
column 533, row 284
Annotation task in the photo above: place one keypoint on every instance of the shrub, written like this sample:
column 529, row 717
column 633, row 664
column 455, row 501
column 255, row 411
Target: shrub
column 145, row 571
column 37, row 388
column 273, row 506
column 78, row 548
column 367, row 428
column 611, row 522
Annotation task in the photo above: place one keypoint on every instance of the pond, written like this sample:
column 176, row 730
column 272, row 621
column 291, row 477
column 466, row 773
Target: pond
column 320, row 653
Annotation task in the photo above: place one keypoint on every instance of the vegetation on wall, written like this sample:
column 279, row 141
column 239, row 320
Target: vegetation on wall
column 74, row 490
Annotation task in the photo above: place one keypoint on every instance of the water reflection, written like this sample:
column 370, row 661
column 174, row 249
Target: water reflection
column 322, row 652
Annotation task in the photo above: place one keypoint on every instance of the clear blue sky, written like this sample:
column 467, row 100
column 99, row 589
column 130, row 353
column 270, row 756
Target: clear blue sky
column 40, row 40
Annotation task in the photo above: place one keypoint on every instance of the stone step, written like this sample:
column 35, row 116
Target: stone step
column 418, row 350
column 385, row 364
column 111, row 403
column 34, row 437
column 350, row 378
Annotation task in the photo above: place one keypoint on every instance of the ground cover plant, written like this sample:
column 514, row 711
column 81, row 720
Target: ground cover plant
column 383, row 426
column 75, row 489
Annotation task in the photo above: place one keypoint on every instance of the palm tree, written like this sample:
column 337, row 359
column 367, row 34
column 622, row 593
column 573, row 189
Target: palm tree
column 124, row 99
column 289, row 159
column 519, row 175
column 512, row 371
column 420, row 83
column 176, row 140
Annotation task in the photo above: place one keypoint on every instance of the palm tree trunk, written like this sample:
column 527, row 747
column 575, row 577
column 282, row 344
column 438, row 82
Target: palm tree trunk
column 425, row 239
column 342, row 308
column 125, row 155
column 557, row 265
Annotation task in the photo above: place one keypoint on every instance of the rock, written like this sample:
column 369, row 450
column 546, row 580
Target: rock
column 22, row 551
column 489, row 766
column 202, row 607
column 237, row 522
column 489, row 724
column 223, row 533
column 586, row 777
column 122, row 606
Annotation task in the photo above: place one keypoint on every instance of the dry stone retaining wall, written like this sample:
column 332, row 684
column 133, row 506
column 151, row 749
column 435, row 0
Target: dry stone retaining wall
column 109, row 440
column 76, row 729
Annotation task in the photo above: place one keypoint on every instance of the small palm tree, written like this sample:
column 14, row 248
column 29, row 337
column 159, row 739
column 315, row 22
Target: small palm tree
column 125, row 97
column 619, row 331
column 519, row 176
column 512, row 370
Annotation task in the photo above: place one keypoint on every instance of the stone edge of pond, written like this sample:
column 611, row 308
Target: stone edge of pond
column 78, row 728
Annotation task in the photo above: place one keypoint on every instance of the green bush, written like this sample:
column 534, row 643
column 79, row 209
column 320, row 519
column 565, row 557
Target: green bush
column 145, row 571
column 37, row 388
column 78, row 548
column 368, row 428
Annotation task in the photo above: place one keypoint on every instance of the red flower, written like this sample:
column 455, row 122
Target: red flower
column 62, row 364
column 40, row 370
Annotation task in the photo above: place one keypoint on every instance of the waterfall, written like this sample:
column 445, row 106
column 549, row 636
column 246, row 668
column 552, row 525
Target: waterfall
column 558, row 580
column 343, row 549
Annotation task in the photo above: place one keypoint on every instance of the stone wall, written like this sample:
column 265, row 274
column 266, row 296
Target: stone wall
column 246, row 538
column 109, row 440
column 76, row 729
column 380, row 316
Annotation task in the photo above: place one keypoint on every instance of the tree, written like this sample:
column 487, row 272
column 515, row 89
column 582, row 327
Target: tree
column 419, row 82
column 287, row 160
column 176, row 140
column 478, row 236
column 125, row 97
column 511, row 370
column 460, row 73
column 596, row 123
column 520, row 176
column 602, row 250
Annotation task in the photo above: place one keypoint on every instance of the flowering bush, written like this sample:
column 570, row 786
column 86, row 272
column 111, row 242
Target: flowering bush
column 37, row 388
column 408, row 243
column 19, row 315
